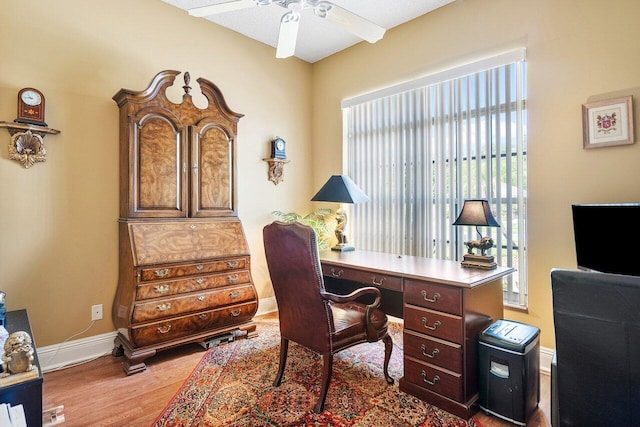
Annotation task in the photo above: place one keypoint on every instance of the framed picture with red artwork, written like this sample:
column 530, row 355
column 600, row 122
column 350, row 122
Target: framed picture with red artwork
column 607, row 123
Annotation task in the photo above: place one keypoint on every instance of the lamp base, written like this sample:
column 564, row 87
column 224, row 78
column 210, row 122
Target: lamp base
column 343, row 247
column 485, row 262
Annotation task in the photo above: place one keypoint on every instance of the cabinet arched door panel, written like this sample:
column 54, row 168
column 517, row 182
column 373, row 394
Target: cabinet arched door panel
column 212, row 172
column 158, row 167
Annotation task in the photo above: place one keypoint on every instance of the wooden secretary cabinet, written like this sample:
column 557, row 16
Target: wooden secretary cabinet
column 184, row 260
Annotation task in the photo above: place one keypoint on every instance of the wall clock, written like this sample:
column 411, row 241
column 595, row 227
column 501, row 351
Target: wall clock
column 30, row 107
column 278, row 149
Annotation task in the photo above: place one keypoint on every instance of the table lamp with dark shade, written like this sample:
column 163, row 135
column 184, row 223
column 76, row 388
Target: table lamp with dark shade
column 477, row 212
column 340, row 189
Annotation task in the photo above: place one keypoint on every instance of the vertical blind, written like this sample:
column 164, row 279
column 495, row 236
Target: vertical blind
column 420, row 149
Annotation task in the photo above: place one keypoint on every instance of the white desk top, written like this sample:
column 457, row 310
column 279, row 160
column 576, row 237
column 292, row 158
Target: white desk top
column 411, row 267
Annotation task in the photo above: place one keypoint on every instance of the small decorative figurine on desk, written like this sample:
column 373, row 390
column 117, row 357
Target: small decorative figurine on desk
column 18, row 354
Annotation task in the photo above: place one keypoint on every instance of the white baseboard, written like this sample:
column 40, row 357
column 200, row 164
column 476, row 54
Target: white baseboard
column 61, row 355
column 57, row 356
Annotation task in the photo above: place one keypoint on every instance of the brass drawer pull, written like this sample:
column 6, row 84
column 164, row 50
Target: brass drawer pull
column 232, row 264
column 236, row 313
column 202, row 316
column 435, row 381
column 233, row 279
column 234, row 294
column 433, row 354
column 200, row 281
column 201, row 298
column 164, row 306
column 192, row 226
column 432, row 328
column 199, row 267
column 164, row 329
column 435, row 298
column 162, row 273
column 162, row 289
column 336, row 274
column 373, row 281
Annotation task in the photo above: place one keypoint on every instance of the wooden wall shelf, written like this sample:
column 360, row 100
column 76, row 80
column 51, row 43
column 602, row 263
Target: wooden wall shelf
column 27, row 142
column 276, row 169
column 14, row 128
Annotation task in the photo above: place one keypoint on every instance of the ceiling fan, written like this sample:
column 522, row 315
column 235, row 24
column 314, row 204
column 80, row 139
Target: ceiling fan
column 290, row 21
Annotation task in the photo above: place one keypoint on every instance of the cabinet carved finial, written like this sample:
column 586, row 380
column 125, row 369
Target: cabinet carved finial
column 187, row 80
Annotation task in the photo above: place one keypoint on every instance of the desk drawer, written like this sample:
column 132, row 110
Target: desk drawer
column 191, row 284
column 430, row 377
column 169, row 272
column 169, row 329
column 434, row 323
column 366, row 278
column 433, row 296
column 433, row 350
column 168, row 307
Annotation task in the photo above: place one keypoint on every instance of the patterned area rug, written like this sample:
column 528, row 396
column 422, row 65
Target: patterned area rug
column 232, row 386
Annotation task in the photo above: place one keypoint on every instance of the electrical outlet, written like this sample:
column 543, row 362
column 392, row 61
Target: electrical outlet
column 96, row 312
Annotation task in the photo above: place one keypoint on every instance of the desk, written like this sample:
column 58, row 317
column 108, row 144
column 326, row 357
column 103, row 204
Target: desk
column 29, row 392
column 444, row 307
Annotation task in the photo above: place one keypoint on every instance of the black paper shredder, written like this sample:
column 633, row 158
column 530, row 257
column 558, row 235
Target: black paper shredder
column 509, row 369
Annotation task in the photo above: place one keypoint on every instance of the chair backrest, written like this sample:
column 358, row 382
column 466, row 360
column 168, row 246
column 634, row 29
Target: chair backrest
column 597, row 327
column 294, row 266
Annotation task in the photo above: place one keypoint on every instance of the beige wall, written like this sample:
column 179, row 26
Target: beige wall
column 58, row 223
column 577, row 51
column 58, row 219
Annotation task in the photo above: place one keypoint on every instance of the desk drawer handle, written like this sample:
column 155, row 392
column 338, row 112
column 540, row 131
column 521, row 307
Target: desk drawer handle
column 435, row 298
column 163, row 307
column 201, row 298
column 162, row 289
column 236, row 313
column 431, row 328
column 202, row 316
column 233, row 279
column 200, row 281
column 232, row 264
column 161, row 273
column 164, row 329
column 199, row 267
column 435, row 381
column 433, row 354
column 234, row 294
column 373, row 281
column 336, row 274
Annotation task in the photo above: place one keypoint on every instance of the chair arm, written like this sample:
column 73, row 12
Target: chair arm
column 371, row 331
column 353, row 295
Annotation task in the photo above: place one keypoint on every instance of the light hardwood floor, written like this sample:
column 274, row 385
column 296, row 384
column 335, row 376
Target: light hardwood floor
column 99, row 393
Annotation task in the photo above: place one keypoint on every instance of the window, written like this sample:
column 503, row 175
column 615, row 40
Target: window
column 420, row 149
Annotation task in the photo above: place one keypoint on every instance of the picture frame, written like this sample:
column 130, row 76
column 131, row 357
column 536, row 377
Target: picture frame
column 608, row 123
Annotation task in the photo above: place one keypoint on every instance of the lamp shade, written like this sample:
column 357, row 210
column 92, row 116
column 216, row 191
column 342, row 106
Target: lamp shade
column 476, row 212
column 340, row 189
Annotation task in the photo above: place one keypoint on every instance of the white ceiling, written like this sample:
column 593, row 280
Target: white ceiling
column 317, row 37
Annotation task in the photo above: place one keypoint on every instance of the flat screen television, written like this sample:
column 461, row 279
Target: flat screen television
column 607, row 237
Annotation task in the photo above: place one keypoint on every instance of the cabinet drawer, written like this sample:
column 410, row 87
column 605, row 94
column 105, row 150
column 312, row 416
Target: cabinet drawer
column 366, row 278
column 430, row 377
column 434, row 323
column 180, row 327
column 433, row 350
column 198, row 301
column 191, row 284
column 433, row 296
column 169, row 272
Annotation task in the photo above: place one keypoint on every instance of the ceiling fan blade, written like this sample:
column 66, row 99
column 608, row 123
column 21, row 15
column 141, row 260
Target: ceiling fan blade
column 214, row 9
column 288, row 34
column 356, row 24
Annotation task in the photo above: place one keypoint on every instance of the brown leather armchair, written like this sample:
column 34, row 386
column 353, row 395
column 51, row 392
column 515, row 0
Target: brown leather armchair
column 321, row 321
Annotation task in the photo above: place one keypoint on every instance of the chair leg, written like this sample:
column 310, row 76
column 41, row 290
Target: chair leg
column 388, row 347
column 326, row 379
column 284, row 347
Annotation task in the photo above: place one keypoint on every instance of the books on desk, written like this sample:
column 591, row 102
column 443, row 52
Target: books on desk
column 12, row 416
